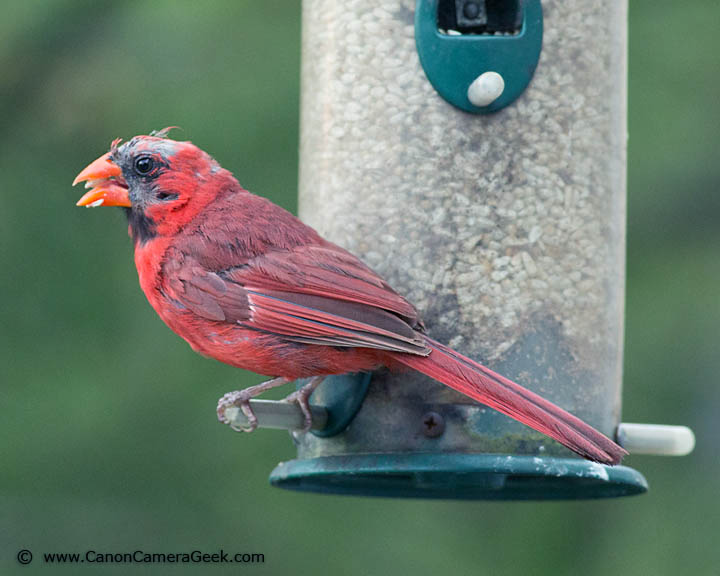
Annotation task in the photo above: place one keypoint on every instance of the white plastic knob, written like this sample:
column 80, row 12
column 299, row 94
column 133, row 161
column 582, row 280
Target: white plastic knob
column 485, row 89
column 656, row 439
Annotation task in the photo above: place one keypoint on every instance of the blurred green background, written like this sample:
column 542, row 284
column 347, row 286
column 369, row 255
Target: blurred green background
column 109, row 438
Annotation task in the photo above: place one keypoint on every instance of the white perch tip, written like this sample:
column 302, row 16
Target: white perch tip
column 485, row 89
column 656, row 439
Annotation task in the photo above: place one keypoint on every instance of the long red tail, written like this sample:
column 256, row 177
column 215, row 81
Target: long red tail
column 484, row 385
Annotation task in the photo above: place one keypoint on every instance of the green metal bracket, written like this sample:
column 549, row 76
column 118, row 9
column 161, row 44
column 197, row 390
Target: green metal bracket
column 453, row 62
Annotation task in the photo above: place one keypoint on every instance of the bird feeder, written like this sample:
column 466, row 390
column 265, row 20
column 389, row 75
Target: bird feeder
column 473, row 153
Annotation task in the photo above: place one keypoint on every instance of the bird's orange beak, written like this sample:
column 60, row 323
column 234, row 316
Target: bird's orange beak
column 107, row 186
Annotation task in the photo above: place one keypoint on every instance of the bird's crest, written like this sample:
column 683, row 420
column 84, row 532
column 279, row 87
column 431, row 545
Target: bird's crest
column 164, row 132
column 114, row 146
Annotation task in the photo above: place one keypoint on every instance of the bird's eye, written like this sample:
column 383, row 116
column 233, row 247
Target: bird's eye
column 166, row 196
column 144, row 165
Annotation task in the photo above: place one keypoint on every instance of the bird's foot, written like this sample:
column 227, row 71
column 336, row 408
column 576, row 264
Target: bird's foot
column 301, row 397
column 241, row 399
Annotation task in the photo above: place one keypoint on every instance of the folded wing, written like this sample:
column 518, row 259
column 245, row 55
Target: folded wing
column 314, row 295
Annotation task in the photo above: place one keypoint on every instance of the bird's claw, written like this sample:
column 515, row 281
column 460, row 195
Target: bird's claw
column 241, row 399
column 300, row 397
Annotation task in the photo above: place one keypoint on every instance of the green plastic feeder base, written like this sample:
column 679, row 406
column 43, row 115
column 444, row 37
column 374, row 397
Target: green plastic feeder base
column 459, row 476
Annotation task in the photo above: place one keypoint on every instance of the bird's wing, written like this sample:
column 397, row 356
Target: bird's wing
column 311, row 294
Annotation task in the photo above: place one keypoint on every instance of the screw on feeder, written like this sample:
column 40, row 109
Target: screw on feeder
column 471, row 10
column 470, row 14
column 485, row 89
column 433, row 424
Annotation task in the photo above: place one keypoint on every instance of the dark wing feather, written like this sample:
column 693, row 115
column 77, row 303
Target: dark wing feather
column 312, row 294
column 326, row 271
column 332, row 323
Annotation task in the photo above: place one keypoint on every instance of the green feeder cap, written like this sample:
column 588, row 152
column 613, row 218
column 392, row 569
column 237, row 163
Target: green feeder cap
column 459, row 476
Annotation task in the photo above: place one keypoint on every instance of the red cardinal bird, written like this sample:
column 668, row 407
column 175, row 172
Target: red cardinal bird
column 247, row 283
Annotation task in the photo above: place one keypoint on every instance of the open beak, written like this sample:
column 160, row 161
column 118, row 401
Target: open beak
column 107, row 186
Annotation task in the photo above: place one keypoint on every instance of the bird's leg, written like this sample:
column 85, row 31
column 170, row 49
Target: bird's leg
column 241, row 399
column 301, row 397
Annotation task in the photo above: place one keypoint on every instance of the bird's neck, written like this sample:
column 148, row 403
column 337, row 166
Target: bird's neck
column 140, row 227
column 168, row 220
column 149, row 257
